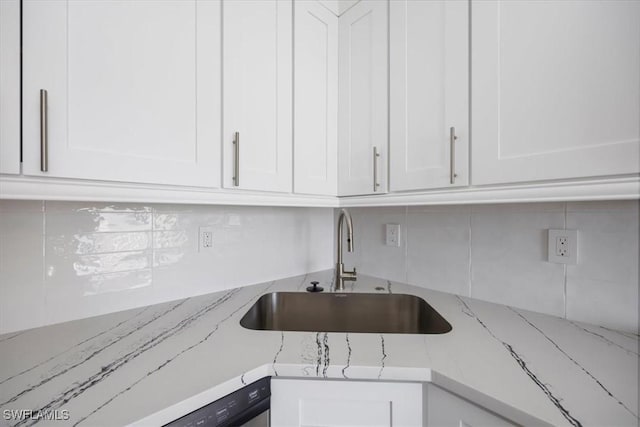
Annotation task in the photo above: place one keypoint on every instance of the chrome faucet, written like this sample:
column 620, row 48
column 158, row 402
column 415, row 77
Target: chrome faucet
column 341, row 273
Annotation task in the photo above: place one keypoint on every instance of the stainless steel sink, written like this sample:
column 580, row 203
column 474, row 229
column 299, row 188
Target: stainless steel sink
column 340, row 312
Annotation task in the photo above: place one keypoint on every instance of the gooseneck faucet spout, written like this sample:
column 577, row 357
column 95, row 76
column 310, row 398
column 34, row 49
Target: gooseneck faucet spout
column 341, row 273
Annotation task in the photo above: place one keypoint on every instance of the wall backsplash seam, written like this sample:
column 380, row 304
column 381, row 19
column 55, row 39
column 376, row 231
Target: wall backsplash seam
column 469, row 255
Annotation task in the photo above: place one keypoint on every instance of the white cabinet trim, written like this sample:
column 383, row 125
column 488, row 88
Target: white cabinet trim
column 32, row 188
column 604, row 189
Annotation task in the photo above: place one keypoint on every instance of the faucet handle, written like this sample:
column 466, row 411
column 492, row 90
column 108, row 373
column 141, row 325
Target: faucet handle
column 350, row 275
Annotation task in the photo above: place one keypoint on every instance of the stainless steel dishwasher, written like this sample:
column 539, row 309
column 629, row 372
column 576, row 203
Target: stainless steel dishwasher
column 247, row 407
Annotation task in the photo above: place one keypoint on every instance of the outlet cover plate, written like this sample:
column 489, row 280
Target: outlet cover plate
column 563, row 246
column 392, row 235
column 205, row 238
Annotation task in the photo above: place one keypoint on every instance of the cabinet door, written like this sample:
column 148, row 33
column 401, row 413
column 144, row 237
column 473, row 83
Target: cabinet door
column 315, row 99
column 10, row 86
column 133, row 90
column 363, row 107
column 448, row 410
column 555, row 89
column 429, row 94
column 306, row 403
column 257, row 94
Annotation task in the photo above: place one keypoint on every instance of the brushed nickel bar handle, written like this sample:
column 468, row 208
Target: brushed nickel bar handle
column 375, row 169
column 236, row 160
column 452, row 157
column 44, row 137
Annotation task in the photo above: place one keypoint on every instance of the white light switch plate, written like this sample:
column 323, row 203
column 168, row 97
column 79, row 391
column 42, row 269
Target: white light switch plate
column 563, row 246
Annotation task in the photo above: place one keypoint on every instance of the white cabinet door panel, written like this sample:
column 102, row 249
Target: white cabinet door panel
column 363, row 98
column 133, row 90
column 448, row 410
column 307, row 403
column 429, row 93
column 555, row 89
column 315, row 99
column 257, row 61
column 10, row 86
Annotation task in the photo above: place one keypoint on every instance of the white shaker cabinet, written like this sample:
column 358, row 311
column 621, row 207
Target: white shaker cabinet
column 315, row 99
column 10, row 86
column 122, row 90
column 445, row 409
column 429, row 94
column 306, row 403
column 257, row 82
column 555, row 89
column 362, row 100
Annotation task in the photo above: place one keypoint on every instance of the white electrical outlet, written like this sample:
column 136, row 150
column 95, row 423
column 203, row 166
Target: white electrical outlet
column 206, row 238
column 392, row 235
column 563, row 246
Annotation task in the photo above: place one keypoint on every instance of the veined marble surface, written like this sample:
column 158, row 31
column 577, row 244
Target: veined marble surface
column 151, row 365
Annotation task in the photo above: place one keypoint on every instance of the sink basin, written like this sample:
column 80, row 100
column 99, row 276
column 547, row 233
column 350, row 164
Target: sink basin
column 340, row 312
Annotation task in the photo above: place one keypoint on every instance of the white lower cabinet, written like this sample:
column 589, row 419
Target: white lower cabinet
column 307, row 403
column 338, row 403
column 444, row 409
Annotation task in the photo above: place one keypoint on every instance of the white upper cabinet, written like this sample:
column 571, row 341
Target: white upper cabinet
column 555, row 89
column 315, row 99
column 132, row 90
column 429, row 94
column 258, row 65
column 10, row 86
column 363, row 100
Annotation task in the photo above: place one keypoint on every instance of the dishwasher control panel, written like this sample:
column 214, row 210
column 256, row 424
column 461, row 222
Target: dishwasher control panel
column 234, row 409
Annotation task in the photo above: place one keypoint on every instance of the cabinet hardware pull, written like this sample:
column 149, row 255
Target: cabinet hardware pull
column 44, row 137
column 236, row 160
column 375, row 169
column 452, row 157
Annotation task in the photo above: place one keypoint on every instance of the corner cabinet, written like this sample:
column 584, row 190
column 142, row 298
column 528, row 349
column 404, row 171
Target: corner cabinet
column 362, row 100
column 10, row 86
column 429, row 94
column 315, row 99
column 257, row 82
column 555, row 90
column 122, row 91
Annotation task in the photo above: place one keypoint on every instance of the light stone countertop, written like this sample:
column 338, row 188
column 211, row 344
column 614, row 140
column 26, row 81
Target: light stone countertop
column 150, row 365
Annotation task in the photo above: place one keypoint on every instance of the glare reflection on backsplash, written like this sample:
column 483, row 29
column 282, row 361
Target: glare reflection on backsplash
column 116, row 282
column 111, row 263
column 113, row 248
column 110, row 242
